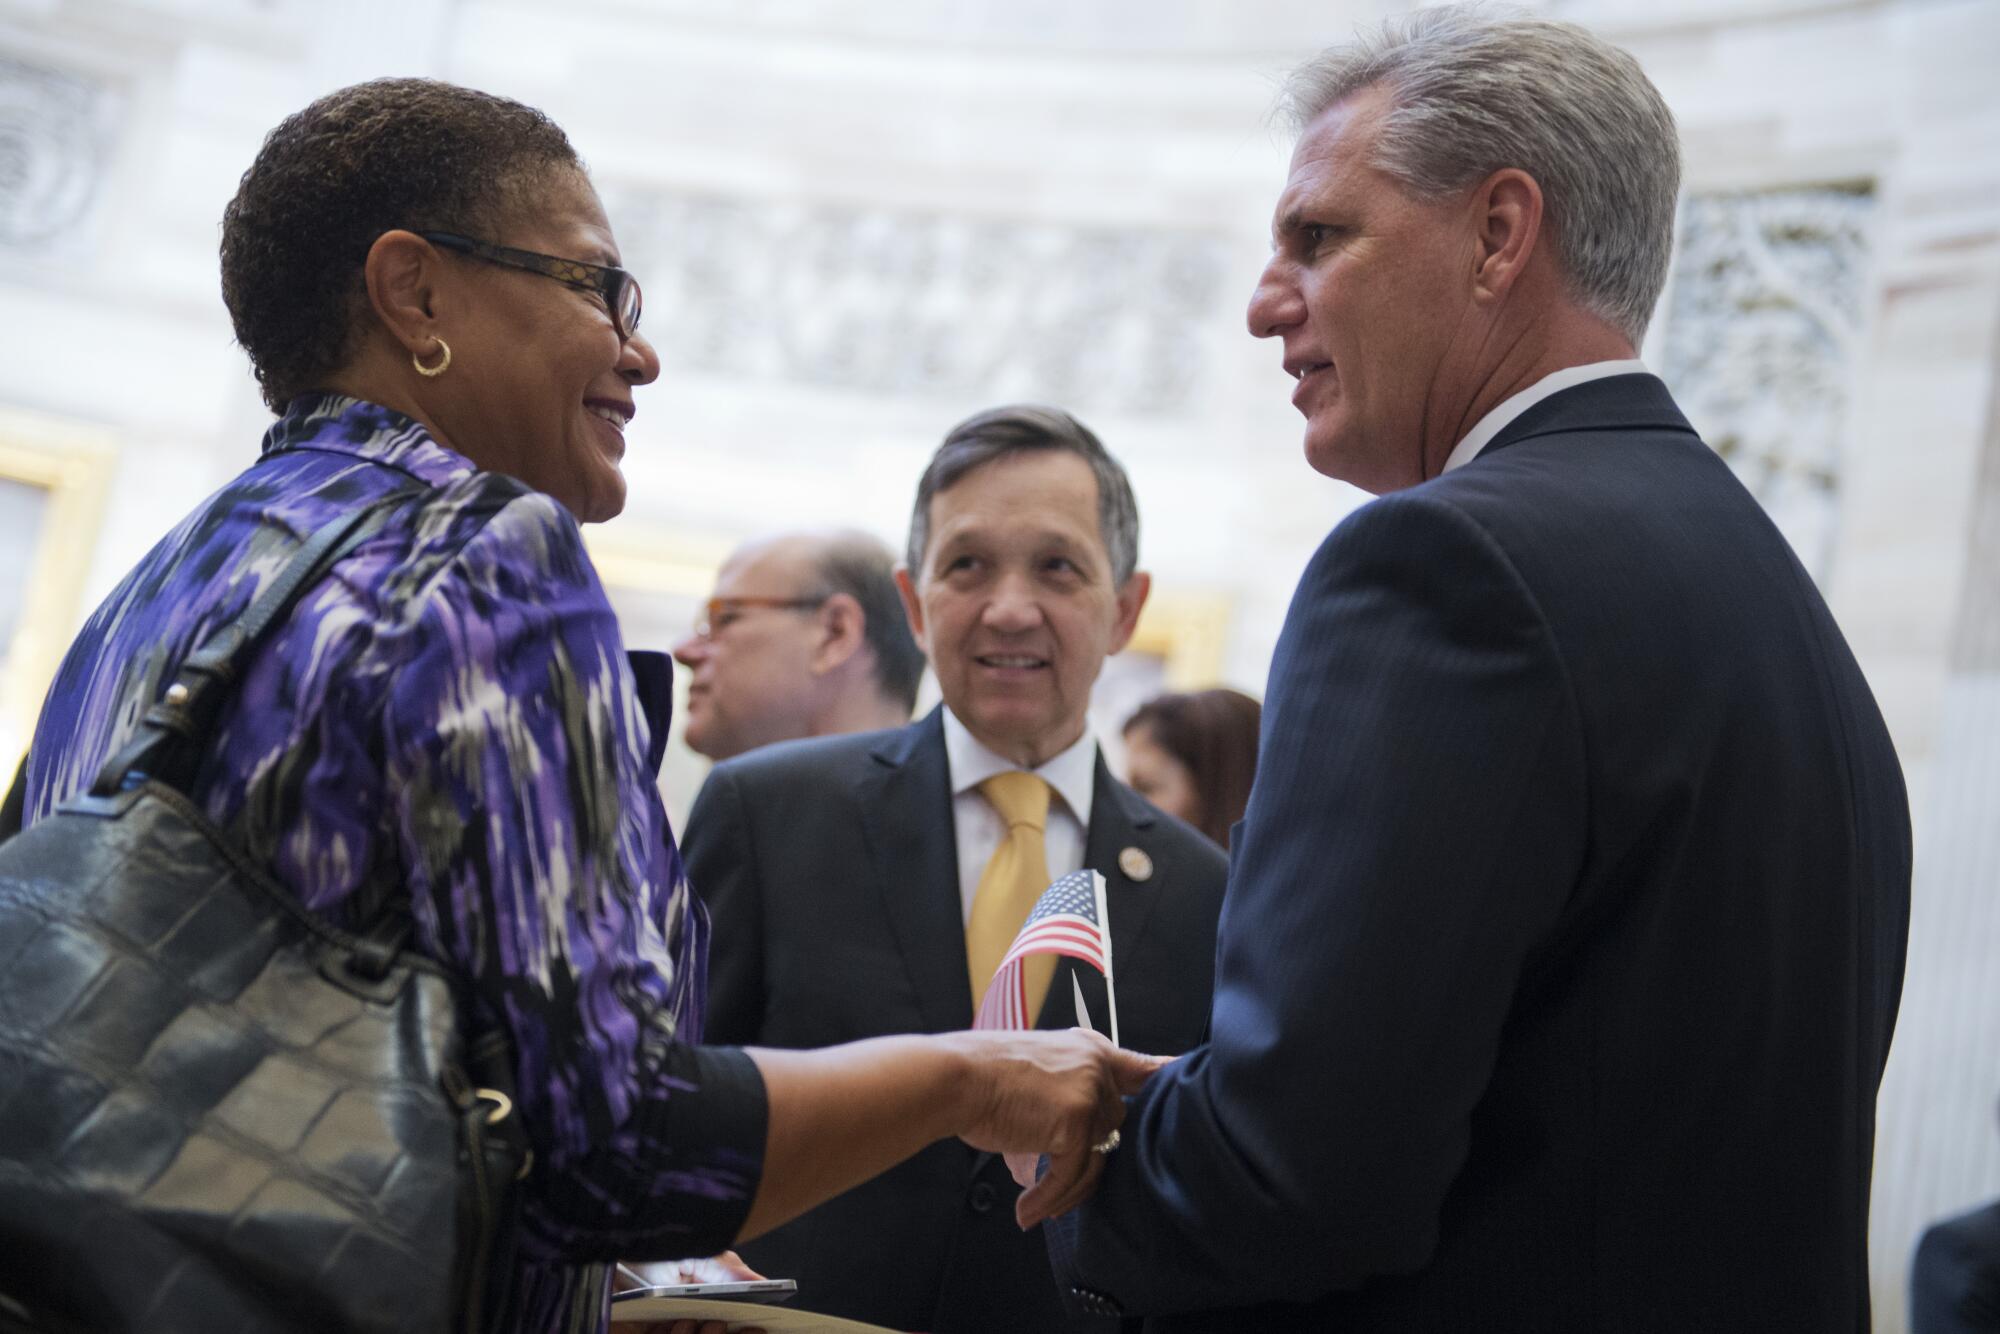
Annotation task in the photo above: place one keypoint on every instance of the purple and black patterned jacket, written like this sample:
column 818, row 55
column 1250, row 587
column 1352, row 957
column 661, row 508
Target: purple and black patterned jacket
column 452, row 710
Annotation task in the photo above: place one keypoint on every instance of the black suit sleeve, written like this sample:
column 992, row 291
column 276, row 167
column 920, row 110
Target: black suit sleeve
column 722, row 871
column 1416, row 825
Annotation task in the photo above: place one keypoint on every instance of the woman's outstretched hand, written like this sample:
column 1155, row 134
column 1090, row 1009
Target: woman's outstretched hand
column 1049, row 1093
column 839, row 1115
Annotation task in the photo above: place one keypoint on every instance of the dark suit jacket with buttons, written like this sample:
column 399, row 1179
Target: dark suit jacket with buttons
column 1564, row 934
column 830, row 868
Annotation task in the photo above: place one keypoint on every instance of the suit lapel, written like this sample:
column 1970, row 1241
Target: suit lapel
column 1118, row 820
column 905, row 799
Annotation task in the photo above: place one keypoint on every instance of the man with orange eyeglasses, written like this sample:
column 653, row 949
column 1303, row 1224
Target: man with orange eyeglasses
column 804, row 636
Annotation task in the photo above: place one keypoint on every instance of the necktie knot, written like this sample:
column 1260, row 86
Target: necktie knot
column 1020, row 797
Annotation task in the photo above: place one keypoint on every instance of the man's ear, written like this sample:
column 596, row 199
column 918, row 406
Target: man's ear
column 913, row 608
column 1131, row 600
column 1507, row 223
column 843, row 629
column 403, row 274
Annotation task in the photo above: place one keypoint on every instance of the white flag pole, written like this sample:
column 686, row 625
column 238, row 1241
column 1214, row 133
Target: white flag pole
column 1104, row 924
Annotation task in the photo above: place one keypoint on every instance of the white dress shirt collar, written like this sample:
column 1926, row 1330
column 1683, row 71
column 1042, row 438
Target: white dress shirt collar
column 1072, row 772
column 1482, row 432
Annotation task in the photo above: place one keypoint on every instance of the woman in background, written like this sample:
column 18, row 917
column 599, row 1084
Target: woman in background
column 433, row 302
column 1194, row 756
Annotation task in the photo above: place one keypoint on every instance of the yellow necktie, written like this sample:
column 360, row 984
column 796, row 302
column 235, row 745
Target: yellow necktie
column 1014, row 878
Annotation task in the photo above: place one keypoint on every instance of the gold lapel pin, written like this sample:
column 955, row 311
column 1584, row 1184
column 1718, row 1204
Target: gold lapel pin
column 1136, row 864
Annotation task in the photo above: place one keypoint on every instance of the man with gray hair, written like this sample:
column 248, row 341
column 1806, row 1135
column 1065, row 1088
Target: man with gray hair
column 803, row 636
column 1564, row 934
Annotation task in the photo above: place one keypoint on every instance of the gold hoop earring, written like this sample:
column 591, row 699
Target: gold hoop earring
column 444, row 363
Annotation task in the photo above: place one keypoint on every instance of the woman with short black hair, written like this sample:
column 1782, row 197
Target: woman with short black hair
column 433, row 301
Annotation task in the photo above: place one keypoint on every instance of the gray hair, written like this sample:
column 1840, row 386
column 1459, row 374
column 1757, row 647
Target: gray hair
column 994, row 434
column 864, row 568
column 1472, row 91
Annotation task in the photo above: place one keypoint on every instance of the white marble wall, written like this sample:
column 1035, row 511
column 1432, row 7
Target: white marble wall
column 859, row 221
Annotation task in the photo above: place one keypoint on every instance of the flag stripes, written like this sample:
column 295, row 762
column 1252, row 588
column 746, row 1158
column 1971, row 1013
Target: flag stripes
column 1068, row 919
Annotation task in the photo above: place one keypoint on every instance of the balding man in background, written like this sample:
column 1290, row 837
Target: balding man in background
column 804, row 636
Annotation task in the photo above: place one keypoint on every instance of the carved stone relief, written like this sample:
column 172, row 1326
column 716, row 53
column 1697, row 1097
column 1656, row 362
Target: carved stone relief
column 57, row 132
column 884, row 301
column 1762, row 330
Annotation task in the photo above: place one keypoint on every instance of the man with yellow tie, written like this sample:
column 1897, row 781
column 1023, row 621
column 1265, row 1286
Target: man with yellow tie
column 867, row 885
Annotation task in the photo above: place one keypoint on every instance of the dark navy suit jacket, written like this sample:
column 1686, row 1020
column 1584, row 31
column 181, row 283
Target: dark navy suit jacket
column 830, row 869
column 1955, row 1276
column 1564, row 933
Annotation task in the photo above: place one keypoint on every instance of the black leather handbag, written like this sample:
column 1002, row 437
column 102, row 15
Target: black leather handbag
column 217, row 1112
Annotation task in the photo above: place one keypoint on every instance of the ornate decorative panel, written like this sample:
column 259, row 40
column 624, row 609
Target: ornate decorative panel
column 57, row 132
column 1762, row 329
column 883, row 301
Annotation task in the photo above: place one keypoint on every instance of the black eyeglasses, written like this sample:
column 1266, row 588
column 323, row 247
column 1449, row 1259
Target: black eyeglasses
column 618, row 289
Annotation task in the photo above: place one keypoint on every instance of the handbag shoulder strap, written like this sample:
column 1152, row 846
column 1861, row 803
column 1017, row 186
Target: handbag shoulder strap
column 171, row 733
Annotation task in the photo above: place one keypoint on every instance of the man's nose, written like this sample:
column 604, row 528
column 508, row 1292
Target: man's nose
column 638, row 362
column 1275, row 305
column 1013, row 606
column 692, row 651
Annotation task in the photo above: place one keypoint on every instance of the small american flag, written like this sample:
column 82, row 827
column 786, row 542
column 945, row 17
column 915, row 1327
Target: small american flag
column 1069, row 918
